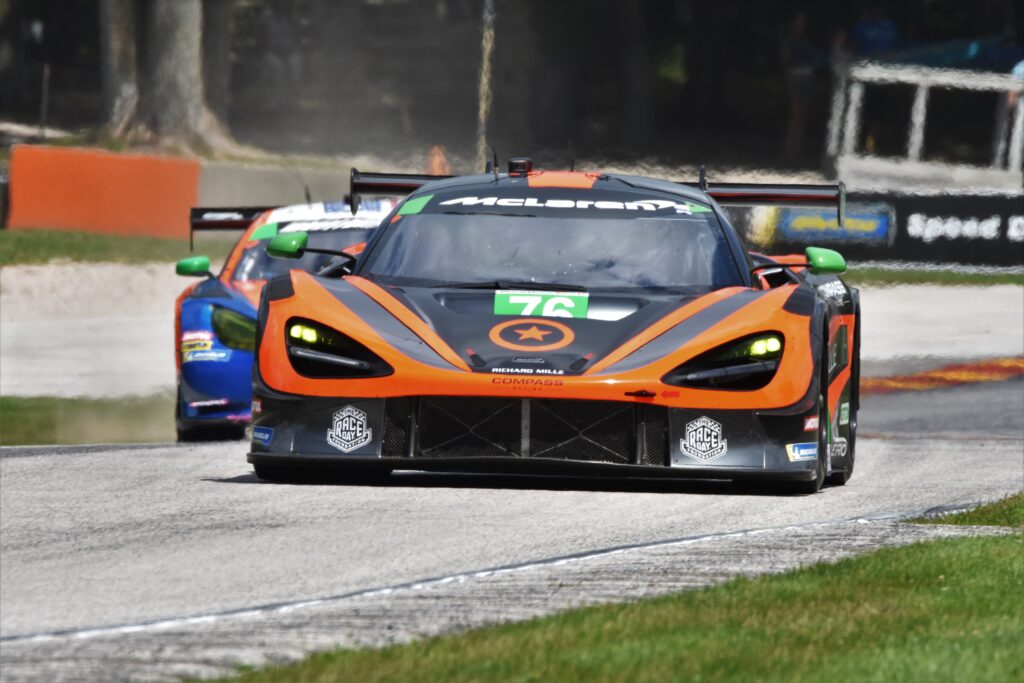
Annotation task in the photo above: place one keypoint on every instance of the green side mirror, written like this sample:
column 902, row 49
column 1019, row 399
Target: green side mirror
column 825, row 261
column 195, row 266
column 288, row 244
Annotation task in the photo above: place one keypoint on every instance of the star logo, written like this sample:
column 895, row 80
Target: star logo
column 532, row 333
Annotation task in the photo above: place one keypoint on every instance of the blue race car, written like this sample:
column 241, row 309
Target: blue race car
column 215, row 319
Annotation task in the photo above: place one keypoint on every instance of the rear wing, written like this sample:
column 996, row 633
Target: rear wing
column 222, row 218
column 731, row 194
column 393, row 184
column 765, row 194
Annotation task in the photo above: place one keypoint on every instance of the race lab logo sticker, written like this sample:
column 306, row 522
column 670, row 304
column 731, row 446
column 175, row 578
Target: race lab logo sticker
column 801, row 451
column 531, row 334
column 703, row 440
column 349, row 430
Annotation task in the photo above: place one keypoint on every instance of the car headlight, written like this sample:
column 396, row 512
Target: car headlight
column 742, row 365
column 234, row 330
column 318, row 351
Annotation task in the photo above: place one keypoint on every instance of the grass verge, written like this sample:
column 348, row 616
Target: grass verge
column 882, row 276
column 41, row 246
column 942, row 611
column 1006, row 512
column 49, row 420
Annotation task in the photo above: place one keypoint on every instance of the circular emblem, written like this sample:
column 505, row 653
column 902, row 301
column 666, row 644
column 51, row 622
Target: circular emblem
column 531, row 334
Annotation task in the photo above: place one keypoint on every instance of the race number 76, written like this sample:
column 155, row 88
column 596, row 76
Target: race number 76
column 546, row 304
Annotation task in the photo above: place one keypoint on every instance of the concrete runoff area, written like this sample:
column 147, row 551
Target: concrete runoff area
column 922, row 321
column 97, row 330
column 162, row 561
column 107, row 329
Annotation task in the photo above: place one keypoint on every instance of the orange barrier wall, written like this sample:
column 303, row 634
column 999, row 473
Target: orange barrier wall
column 64, row 188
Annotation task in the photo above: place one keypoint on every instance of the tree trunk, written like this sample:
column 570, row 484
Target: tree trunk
column 173, row 102
column 218, row 26
column 117, row 64
column 153, row 70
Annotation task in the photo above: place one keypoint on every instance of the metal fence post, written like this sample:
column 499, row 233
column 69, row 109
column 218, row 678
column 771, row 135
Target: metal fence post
column 917, row 118
column 852, row 126
column 1017, row 137
column 835, row 119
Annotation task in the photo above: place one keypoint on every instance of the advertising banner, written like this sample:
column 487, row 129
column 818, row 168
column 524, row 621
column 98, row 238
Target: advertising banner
column 938, row 228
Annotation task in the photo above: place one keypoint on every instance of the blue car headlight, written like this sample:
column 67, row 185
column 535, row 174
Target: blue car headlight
column 234, row 330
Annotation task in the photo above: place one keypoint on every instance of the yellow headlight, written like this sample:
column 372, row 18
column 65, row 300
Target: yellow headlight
column 765, row 345
column 303, row 332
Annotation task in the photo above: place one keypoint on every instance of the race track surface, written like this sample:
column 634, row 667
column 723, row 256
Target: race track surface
column 108, row 538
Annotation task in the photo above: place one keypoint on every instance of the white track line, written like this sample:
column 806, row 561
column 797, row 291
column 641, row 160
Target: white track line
column 285, row 607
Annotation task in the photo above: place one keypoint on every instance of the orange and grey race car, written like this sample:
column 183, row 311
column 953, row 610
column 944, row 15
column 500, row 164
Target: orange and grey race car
column 562, row 322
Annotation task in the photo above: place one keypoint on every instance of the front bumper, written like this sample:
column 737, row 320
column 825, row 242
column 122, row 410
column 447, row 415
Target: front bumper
column 532, row 435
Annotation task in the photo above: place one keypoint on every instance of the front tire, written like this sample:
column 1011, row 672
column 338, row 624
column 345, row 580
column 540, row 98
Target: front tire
column 840, row 477
column 815, row 484
column 185, row 434
column 223, row 431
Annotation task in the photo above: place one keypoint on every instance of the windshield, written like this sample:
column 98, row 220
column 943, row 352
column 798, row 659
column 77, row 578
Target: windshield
column 257, row 264
column 615, row 241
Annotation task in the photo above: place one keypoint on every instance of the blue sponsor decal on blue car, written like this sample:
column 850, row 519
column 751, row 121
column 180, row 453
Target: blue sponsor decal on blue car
column 863, row 223
column 262, row 435
column 206, row 355
column 801, row 451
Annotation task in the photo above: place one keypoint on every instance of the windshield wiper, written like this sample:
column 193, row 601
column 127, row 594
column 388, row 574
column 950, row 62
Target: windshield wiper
column 512, row 284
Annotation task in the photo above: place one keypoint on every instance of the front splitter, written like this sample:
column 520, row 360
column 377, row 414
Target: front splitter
column 502, row 465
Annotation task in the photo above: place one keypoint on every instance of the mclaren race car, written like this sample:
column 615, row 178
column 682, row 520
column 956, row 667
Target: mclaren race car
column 215, row 320
column 561, row 322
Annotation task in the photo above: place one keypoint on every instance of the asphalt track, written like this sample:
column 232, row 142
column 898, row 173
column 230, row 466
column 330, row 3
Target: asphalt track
column 130, row 540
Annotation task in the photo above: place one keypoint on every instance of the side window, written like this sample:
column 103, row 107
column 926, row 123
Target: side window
column 770, row 278
column 839, row 352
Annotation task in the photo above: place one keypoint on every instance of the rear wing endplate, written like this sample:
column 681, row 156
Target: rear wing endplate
column 765, row 194
column 222, row 218
column 390, row 184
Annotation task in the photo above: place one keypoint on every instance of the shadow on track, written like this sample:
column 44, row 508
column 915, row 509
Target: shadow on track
column 460, row 480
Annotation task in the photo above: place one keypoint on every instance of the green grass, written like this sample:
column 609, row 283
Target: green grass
column 949, row 610
column 48, row 420
column 42, row 246
column 1006, row 512
column 881, row 276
